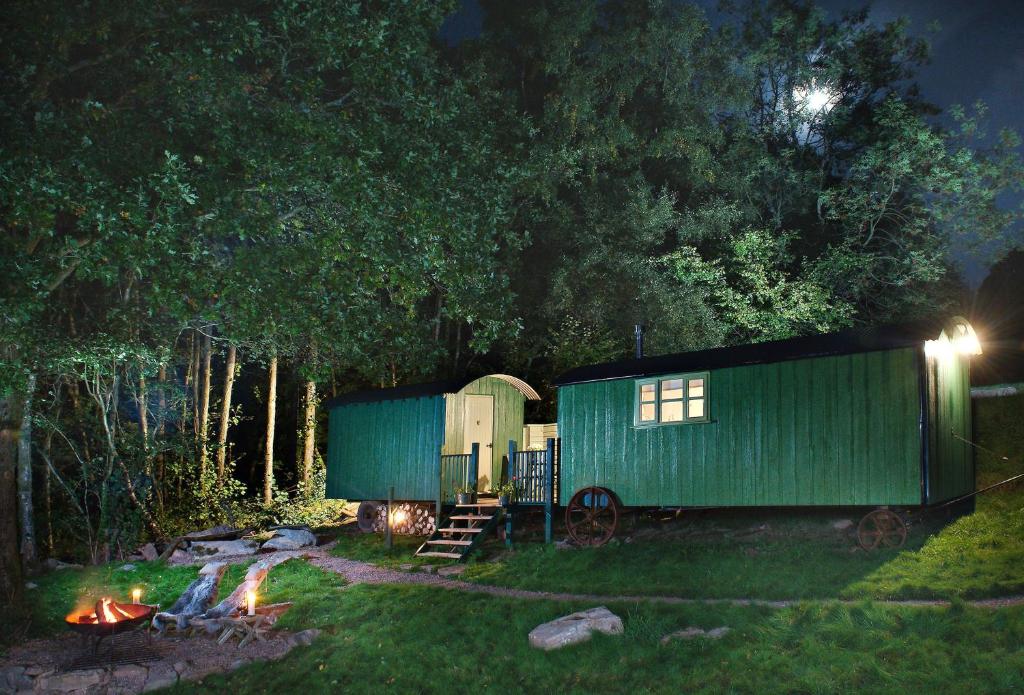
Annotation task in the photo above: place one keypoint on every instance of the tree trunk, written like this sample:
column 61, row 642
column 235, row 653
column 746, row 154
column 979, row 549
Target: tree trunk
column 310, row 433
column 144, row 424
column 11, row 583
column 225, row 414
column 29, row 555
column 204, row 410
column 268, row 453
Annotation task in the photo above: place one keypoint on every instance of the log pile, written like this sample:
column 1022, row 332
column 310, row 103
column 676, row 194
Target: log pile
column 411, row 518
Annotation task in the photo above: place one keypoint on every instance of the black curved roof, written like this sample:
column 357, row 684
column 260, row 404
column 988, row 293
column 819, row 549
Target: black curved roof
column 433, row 388
column 854, row 340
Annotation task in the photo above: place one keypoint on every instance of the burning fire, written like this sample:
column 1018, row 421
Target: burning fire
column 106, row 610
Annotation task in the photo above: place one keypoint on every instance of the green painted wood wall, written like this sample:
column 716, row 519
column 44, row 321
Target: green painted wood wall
column 371, row 446
column 839, row 430
column 508, row 418
column 951, row 464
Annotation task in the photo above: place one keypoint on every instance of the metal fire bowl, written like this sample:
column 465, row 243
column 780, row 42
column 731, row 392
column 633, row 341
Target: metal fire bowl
column 139, row 613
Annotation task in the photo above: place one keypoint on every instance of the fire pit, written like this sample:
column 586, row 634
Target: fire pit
column 109, row 617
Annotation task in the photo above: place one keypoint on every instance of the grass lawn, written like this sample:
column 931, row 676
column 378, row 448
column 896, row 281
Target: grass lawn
column 423, row 639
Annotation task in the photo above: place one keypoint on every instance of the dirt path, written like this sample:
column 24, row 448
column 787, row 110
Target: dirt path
column 357, row 572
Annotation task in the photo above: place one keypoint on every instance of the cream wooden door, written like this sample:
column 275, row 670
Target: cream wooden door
column 479, row 427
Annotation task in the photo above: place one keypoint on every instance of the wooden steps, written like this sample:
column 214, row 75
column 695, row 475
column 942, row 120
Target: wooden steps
column 478, row 519
column 435, row 553
column 461, row 529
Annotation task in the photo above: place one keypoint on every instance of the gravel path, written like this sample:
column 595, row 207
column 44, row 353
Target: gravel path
column 357, row 572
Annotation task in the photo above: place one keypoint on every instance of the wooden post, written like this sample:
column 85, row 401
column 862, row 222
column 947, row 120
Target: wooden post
column 387, row 518
column 549, row 471
column 440, row 492
column 474, row 465
column 512, row 473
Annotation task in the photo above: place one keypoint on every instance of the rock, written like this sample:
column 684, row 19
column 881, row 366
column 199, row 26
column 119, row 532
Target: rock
column 428, row 569
column 14, row 678
column 451, row 570
column 35, row 670
column 687, row 633
column 304, row 638
column 179, row 557
column 575, row 628
column 694, row 632
column 31, row 585
column 565, row 544
column 72, row 680
column 53, row 563
column 842, row 524
column 290, row 539
column 237, row 664
column 223, row 548
column 148, row 552
column 181, row 666
column 407, row 567
column 221, row 530
column 129, row 567
column 160, row 678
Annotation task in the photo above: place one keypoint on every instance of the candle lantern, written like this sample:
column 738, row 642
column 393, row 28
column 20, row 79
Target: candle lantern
column 136, row 595
column 250, row 601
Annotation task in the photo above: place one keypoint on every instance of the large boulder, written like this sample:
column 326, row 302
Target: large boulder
column 213, row 549
column 290, row 539
column 575, row 628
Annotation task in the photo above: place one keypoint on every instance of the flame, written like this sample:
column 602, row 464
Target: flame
column 107, row 613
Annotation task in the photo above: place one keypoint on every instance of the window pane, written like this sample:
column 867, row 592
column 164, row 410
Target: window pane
column 695, row 408
column 647, row 412
column 647, row 393
column 672, row 411
column 696, row 388
column 671, row 388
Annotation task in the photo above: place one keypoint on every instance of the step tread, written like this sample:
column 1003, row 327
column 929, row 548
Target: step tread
column 435, row 553
column 471, row 517
column 456, row 529
column 443, row 541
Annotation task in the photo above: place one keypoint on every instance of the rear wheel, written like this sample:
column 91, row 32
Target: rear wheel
column 366, row 515
column 592, row 516
column 882, row 528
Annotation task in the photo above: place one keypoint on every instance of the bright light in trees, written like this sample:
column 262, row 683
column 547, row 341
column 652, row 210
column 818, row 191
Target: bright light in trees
column 815, row 99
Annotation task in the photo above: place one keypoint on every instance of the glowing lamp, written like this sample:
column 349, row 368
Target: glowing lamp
column 250, row 601
column 136, row 595
column 399, row 517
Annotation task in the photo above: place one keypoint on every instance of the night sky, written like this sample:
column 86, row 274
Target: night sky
column 977, row 53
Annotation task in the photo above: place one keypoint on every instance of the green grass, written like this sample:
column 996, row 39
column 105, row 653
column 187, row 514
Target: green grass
column 369, row 547
column 424, row 639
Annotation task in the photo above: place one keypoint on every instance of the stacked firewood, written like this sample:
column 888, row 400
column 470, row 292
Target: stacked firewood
column 416, row 519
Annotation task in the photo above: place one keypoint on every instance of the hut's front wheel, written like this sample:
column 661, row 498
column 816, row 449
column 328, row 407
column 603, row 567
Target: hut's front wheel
column 592, row 516
column 881, row 528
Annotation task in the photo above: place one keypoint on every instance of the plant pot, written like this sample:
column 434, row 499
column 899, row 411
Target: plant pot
column 502, row 500
column 465, row 497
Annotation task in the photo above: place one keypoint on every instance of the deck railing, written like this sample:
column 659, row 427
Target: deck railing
column 535, row 476
column 458, row 470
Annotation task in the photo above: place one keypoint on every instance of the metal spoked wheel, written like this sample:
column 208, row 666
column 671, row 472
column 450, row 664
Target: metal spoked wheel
column 882, row 528
column 592, row 516
column 366, row 515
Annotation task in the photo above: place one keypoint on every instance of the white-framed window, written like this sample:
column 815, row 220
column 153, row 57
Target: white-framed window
column 670, row 400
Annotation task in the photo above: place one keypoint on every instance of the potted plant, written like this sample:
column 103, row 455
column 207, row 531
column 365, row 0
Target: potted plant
column 505, row 491
column 465, row 494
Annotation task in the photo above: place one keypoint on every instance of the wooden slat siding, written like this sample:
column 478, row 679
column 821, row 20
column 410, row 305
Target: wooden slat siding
column 374, row 445
column 508, row 417
column 951, row 469
column 823, row 431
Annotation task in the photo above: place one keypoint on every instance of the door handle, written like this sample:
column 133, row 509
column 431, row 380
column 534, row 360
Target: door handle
column 490, row 446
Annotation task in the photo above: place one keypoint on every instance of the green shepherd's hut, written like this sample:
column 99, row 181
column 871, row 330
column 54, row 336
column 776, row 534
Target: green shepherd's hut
column 396, row 437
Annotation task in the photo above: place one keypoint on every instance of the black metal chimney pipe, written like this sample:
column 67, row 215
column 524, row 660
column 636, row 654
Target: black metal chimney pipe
column 639, row 330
